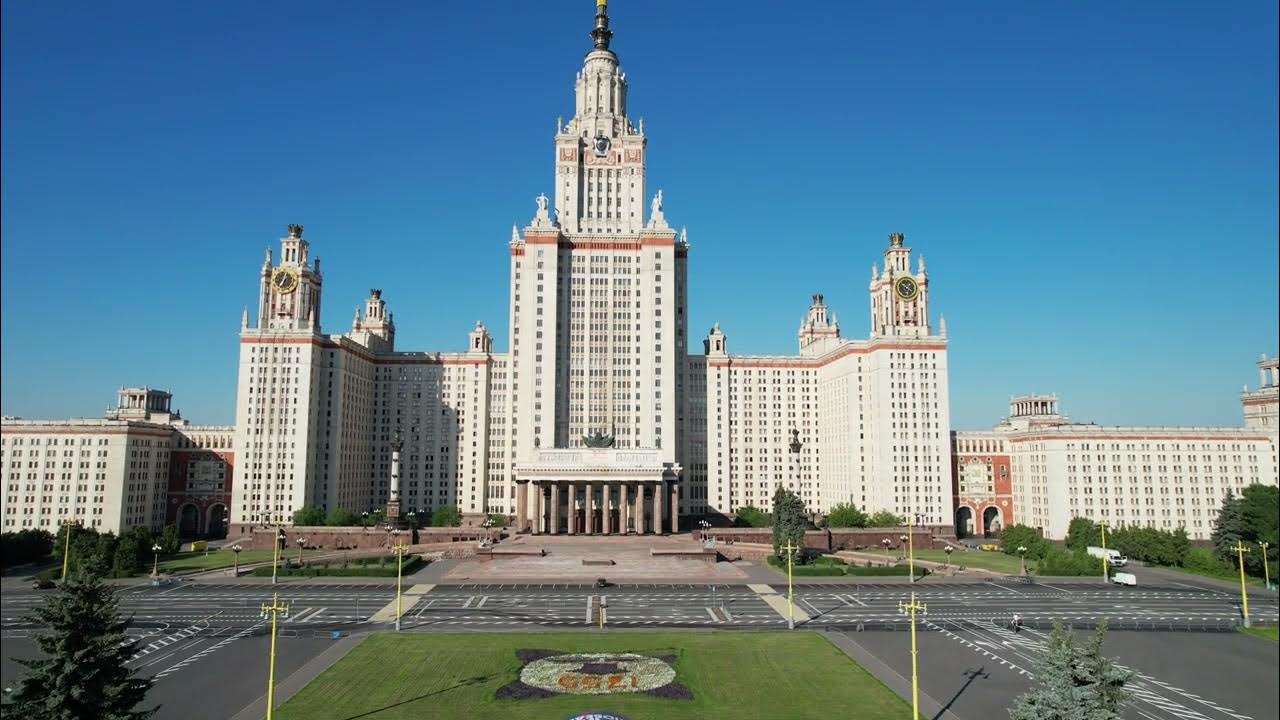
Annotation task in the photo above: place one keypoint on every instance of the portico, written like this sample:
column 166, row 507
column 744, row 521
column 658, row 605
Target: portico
column 597, row 491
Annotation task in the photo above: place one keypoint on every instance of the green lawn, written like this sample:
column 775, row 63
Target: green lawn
column 994, row 561
column 193, row 561
column 732, row 675
column 1270, row 633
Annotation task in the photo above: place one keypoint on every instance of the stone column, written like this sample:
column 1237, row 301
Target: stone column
column 624, row 510
column 538, row 506
column 675, row 507
column 606, row 514
column 573, row 512
column 555, row 508
column 657, row 507
column 588, row 514
column 522, row 505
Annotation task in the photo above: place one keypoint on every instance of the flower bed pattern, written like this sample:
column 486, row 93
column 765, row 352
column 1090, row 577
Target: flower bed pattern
column 551, row 672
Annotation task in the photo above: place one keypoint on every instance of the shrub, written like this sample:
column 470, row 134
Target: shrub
column 341, row 517
column 1202, row 560
column 752, row 517
column 884, row 518
column 886, row 571
column 384, row 569
column 847, row 515
column 1061, row 563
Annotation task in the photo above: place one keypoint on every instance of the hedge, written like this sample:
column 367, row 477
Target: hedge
column 357, row 568
column 833, row 567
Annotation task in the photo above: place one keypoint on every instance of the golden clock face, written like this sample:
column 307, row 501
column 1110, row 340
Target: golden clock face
column 906, row 287
column 284, row 280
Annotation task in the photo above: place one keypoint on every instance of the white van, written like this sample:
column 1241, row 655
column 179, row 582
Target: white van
column 1114, row 558
column 1124, row 579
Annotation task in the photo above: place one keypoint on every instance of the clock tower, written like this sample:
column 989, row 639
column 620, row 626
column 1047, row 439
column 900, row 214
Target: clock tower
column 899, row 299
column 289, row 291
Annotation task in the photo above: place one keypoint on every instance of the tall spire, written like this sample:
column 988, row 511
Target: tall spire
column 602, row 34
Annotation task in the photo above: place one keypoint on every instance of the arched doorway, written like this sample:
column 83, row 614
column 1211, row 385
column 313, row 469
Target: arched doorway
column 189, row 521
column 991, row 522
column 964, row 521
column 216, row 521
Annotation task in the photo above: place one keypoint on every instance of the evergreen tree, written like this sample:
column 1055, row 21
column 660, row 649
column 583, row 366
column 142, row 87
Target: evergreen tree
column 1228, row 528
column 789, row 523
column 1075, row 683
column 83, row 674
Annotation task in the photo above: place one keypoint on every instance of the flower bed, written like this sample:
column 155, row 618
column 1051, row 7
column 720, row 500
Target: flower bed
column 548, row 672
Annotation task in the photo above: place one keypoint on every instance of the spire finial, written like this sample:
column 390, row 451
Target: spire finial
column 602, row 34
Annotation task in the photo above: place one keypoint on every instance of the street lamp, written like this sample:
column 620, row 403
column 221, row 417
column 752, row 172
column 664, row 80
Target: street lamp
column 68, row 526
column 886, row 542
column 948, row 550
column 364, row 519
column 236, row 549
column 1244, row 593
column 399, row 548
column 155, row 565
column 275, row 610
column 302, row 542
column 1022, row 551
column 911, row 609
column 412, row 516
column 1266, row 569
column 277, row 537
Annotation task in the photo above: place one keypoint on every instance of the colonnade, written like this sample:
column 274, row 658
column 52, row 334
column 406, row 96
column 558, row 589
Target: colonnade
column 557, row 507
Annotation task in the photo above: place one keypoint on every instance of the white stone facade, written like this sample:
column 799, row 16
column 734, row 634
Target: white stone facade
column 1160, row 477
column 107, row 474
column 598, row 328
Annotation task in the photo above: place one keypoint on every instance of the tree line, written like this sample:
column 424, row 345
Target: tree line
column 1252, row 518
column 120, row 556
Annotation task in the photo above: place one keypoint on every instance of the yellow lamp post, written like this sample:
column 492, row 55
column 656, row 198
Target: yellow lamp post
column 399, row 547
column 791, row 612
column 1266, row 568
column 1102, row 524
column 911, row 608
column 275, row 610
column 66, row 545
column 276, row 536
column 1244, row 593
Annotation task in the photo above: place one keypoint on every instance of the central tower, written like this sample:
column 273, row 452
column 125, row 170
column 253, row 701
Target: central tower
column 598, row 287
column 599, row 153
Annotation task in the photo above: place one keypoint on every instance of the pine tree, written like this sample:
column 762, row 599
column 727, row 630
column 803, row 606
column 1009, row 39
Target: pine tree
column 1076, row 683
column 83, row 674
column 1228, row 528
column 789, row 522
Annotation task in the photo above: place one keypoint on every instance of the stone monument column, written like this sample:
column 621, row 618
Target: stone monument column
column 392, row 512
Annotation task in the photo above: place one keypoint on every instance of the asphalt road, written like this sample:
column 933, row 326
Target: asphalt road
column 206, row 644
column 976, row 670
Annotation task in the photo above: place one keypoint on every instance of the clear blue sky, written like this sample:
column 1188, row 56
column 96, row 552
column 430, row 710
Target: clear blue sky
column 1093, row 184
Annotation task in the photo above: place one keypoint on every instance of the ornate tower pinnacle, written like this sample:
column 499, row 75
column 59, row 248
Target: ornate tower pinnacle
column 602, row 34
